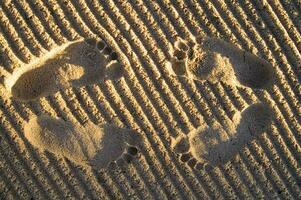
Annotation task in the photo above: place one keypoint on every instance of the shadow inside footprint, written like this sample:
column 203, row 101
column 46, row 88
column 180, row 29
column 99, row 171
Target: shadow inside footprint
column 90, row 144
column 81, row 63
column 213, row 145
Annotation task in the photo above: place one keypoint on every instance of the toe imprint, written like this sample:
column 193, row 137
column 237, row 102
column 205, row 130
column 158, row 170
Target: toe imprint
column 75, row 64
column 86, row 145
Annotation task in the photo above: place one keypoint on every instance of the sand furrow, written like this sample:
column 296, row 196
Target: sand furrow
column 47, row 22
column 144, row 78
column 75, row 105
column 9, row 187
column 239, row 184
column 286, row 22
column 61, row 24
column 14, row 179
column 285, row 151
column 14, row 41
column 142, row 100
column 34, row 25
column 57, row 171
column 38, row 165
column 22, row 29
column 218, row 117
column 9, row 61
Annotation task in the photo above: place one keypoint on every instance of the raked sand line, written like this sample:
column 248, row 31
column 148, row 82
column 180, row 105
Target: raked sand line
column 214, row 145
column 79, row 63
column 90, row 144
column 214, row 60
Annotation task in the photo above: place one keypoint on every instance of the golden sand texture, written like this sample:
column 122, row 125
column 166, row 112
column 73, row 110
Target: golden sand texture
column 139, row 74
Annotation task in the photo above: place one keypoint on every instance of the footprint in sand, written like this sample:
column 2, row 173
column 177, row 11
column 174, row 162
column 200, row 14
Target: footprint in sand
column 78, row 63
column 215, row 60
column 214, row 145
column 92, row 145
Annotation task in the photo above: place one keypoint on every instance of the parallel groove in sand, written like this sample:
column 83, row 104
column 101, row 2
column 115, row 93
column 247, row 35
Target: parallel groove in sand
column 284, row 89
column 34, row 24
column 108, row 119
column 142, row 104
column 22, row 30
column 137, row 112
column 14, row 41
column 108, row 112
column 49, row 27
column 57, row 103
column 14, row 177
column 276, row 159
column 33, row 176
column 150, row 52
column 8, row 58
column 7, row 188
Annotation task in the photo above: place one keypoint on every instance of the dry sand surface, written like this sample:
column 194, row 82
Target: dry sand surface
column 150, row 99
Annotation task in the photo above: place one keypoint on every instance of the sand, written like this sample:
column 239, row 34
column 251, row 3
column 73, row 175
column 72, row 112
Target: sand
column 150, row 99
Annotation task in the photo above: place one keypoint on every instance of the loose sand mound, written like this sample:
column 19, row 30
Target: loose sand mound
column 51, row 66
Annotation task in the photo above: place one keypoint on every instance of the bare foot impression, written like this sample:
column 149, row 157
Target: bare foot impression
column 78, row 63
column 92, row 145
column 214, row 60
column 214, row 145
